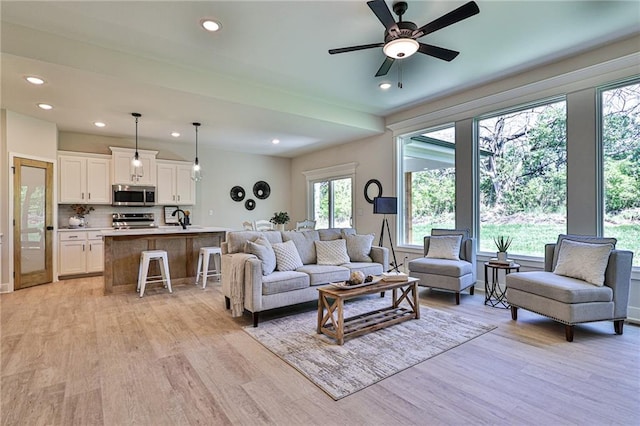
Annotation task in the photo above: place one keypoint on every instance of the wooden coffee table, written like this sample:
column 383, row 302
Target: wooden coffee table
column 331, row 299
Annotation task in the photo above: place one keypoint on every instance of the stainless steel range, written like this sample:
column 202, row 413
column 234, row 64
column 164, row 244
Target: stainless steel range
column 133, row 220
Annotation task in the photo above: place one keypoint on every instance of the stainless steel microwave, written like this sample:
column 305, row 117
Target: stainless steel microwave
column 132, row 195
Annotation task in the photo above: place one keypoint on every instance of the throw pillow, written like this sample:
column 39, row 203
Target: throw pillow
column 332, row 252
column 445, row 247
column 583, row 261
column 359, row 247
column 262, row 249
column 304, row 241
column 287, row 257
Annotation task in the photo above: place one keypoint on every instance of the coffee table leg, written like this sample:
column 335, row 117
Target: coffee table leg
column 416, row 306
column 340, row 325
column 320, row 311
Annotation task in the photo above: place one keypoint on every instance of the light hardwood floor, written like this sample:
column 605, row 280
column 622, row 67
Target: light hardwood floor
column 73, row 356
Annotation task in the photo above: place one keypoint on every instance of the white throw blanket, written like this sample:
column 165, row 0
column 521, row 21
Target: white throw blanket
column 236, row 281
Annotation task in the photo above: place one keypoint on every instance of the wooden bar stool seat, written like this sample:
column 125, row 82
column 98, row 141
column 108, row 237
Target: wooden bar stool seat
column 143, row 275
column 203, row 264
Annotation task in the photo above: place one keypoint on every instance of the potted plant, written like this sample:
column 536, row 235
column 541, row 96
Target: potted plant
column 280, row 219
column 502, row 244
column 80, row 211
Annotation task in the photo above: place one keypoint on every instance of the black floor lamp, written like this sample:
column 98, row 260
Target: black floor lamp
column 385, row 206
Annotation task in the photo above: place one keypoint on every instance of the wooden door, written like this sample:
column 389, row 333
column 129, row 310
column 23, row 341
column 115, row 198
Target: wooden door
column 32, row 222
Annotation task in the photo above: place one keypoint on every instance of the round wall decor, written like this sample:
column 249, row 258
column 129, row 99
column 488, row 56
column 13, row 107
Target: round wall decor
column 370, row 182
column 261, row 190
column 237, row 193
column 250, row 204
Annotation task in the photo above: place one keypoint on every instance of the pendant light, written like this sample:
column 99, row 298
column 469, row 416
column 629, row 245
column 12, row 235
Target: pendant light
column 136, row 164
column 196, row 175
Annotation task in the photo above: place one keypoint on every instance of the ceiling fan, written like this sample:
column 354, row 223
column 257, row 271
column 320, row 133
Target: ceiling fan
column 400, row 38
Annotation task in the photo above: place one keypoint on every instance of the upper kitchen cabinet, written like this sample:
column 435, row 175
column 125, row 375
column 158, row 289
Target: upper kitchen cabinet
column 175, row 186
column 84, row 178
column 123, row 170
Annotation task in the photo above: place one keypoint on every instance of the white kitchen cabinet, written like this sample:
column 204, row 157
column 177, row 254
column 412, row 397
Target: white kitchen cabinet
column 84, row 179
column 175, row 186
column 123, row 170
column 80, row 252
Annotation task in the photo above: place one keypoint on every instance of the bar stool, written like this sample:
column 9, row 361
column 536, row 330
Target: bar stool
column 203, row 264
column 163, row 261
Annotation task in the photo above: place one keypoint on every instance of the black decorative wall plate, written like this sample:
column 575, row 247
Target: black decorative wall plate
column 237, row 193
column 261, row 190
column 250, row 204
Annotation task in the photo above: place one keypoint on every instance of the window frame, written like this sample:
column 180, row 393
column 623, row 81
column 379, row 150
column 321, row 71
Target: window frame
column 341, row 171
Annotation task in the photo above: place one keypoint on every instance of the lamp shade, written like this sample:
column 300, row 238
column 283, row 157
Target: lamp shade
column 385, row 205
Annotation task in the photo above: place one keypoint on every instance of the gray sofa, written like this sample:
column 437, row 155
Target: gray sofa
column 285, row 288
column 569, row 300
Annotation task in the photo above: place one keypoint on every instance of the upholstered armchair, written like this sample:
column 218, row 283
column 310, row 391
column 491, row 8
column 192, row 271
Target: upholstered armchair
column 449, row 262
column 585, row 279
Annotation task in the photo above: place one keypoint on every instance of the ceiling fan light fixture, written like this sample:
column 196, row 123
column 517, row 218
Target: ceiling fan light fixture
column 401, row 48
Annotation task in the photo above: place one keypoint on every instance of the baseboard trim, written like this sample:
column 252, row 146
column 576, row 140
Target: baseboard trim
column 633, row 315
column 5, row 288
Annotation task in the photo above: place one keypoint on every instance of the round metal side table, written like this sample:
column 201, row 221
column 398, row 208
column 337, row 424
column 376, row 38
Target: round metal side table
column 495, row 295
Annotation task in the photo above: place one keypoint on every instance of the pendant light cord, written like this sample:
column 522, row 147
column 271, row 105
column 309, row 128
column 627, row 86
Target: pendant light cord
column 196, row 126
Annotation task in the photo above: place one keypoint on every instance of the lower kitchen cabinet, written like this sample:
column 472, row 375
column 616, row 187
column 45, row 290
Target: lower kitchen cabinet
column 80, row 252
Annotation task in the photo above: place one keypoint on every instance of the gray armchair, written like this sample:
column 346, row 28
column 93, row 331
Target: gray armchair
column 569, row 300
column 447, row 274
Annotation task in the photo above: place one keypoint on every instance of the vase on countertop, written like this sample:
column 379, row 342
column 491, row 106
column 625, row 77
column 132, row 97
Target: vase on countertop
column 76, row 222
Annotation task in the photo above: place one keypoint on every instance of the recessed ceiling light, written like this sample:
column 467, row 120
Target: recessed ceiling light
column 384, row 86
column 45, row 106
column 275, row 141
column 34, row 80
column 175, row 134
column 210, row 25
column 99, row 124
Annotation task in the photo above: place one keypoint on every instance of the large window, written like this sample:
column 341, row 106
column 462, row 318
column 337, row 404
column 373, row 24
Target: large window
column 620, row 136
column 428, row 183
column 523, row 177
column 332, row 203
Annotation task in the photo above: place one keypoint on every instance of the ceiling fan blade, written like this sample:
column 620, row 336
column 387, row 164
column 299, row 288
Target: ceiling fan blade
column 438, row 52
column 384, row 68
column 463, row 12
column 380, row 9
column 354, row 48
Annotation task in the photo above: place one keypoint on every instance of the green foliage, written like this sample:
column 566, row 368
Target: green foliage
column 280, row 218
column 502, row 243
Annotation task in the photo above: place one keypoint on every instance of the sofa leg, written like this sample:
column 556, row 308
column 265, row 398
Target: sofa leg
column 617, row 326
column 255, row 318
column 514, row 313
column 568, row 332
column 472, row 289
column 227, row 302
column 457, row 297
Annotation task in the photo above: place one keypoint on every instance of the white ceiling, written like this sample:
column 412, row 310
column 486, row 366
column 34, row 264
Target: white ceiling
column 267, row 74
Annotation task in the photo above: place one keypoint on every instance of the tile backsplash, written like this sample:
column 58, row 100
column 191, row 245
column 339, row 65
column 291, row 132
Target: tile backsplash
column 101, row 216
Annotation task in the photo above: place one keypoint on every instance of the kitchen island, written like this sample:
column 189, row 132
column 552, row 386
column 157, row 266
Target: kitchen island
column 122, row 248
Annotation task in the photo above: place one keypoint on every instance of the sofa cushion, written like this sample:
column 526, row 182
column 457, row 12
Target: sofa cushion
column 236, row 240
column 262, row 249
column 582, row 239
column 447, row 267
column 444, row 247
column 584, row 261
column 304, row 241
column 283, row 281
column 323, row 274
column 359, row 247
column 287, row 257
column 332, row 252
column 558, row 287
column 334, row 233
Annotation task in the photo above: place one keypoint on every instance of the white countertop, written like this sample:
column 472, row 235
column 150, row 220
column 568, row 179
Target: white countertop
column 82, row 228
column 162, row 230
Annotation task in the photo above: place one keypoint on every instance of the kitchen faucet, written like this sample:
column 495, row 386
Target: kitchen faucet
column 182, row 222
